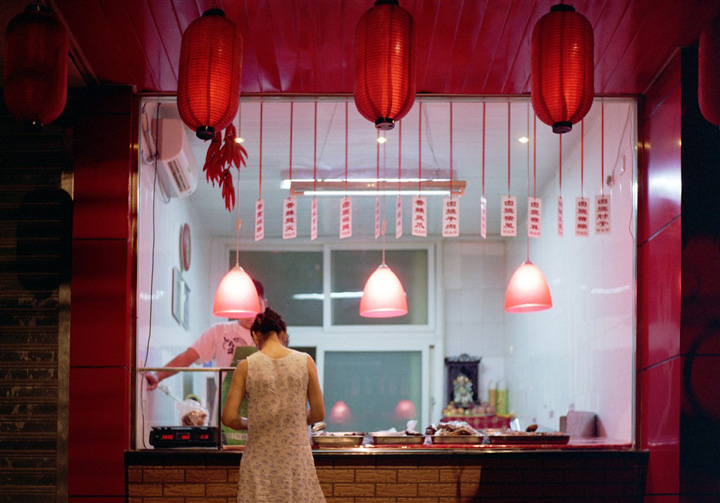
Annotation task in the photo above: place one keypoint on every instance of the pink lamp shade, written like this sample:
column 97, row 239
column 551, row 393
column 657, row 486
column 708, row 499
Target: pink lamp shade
column 383, row 295
column 405, row 410
column 236, row 296
column 528, row 290
column 340, row 413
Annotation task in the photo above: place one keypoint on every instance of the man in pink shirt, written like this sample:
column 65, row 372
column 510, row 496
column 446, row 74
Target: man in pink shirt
column 216, row 344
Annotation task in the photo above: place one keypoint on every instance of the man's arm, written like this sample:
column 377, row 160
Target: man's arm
column 184, row 359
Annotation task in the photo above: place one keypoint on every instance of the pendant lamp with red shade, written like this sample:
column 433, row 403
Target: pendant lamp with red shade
column 562, row 68
column 709, row 72
column 36, row 66
column 210, row 73
column 384, row 86
column 528, row 290
column 383, row 295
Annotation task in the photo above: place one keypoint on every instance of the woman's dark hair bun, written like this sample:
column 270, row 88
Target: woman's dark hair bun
column 268, row 321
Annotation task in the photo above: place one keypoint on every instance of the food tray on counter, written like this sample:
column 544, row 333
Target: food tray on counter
column 520, row 437
column 457, row 439
column 339, row 439
column 397, row 439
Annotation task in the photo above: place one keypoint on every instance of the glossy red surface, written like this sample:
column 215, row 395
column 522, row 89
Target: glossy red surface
column 700, row 296
column 99, row 431
column 660, row 425
column 102, row 177
column 100, row 314
column 659, row 296
column 479, row 47
column 660, row 177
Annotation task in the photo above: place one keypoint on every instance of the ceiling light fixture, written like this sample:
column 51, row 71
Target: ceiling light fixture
column 373, row 187
column 384, row 87
column 36, row 55
column 210, row 73
column 562, row 84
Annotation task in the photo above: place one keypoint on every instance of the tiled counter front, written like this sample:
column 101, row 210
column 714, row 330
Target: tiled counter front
column 508, row 476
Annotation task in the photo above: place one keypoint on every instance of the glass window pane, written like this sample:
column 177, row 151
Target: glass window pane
column 293, row 282
column 350, row 269
column 379, row 389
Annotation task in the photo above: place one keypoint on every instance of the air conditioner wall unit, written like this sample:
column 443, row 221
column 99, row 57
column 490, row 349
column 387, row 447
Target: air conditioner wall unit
column 177, row 169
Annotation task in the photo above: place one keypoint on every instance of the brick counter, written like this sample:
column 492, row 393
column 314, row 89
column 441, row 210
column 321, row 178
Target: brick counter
column 405, row 476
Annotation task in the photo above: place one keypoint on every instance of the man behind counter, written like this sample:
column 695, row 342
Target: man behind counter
column 217, row 343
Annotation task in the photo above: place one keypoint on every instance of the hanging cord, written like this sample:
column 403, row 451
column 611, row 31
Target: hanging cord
column 483, row 151
column 346, row 147
column 238, row 222
column 377, row 163
column 560, row 170
column 420, row 148
column 315, row 158
column 508, row 146
column 527, row 223
column 152, row 271
column 384, row 222
column 260, row 157
column 582, row 158
column 292, row 109
column 534, row 155
column 451, row 150
column 399, row 157
column 602, row 147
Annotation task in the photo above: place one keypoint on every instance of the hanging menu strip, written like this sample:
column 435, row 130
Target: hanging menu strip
column 289, row 218
column 451, row 217
column 560, row 216
column 508, row 211
column 419, row 216
column 313, row 220
column 602, row 214
column 534, row 218
column 259, row 219
column 346, row 217
column 582, row 216
column 398, row 218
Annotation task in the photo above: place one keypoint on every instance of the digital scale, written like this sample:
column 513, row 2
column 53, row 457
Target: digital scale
column 184, row 436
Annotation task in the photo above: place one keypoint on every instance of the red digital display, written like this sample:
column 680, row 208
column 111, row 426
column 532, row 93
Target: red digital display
column 184, row 436
column 167, row 436
column 204, row 436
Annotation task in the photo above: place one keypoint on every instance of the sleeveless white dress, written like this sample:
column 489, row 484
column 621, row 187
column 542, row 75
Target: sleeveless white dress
column 277, row 465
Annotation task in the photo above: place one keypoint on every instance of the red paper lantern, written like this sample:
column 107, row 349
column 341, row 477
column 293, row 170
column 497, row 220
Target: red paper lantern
column 210, row 73
column 36, row 56
column 384, row 88
column 709, row 72
column 562, row 78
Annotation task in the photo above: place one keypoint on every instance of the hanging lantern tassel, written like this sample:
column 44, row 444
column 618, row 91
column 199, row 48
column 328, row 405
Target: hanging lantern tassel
column 384, row 87
column 709, row 72
column 36, row 56
column 210, row 73
column 528, row 290
column 562, row 76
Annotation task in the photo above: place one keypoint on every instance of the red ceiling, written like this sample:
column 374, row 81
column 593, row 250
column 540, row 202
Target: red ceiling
column 477, row 47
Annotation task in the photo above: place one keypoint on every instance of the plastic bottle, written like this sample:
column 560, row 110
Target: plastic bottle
column 492, row 394
column 502, row 400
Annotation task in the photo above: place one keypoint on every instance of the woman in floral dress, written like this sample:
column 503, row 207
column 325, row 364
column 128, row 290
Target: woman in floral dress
column 277, row 465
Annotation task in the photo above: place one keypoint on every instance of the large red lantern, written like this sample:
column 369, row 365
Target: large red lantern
column 210, row 73
column 36, row 56
column 384, row 64
column 709, row 72
column 562, row 78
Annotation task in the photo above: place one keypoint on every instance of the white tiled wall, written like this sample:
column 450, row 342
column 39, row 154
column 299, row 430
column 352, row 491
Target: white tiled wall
column 579, row 354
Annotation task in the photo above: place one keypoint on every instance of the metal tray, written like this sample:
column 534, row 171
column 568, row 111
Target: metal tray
column 529, row 438
column 338, row 440
column 457, row 439
column 397, row 439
